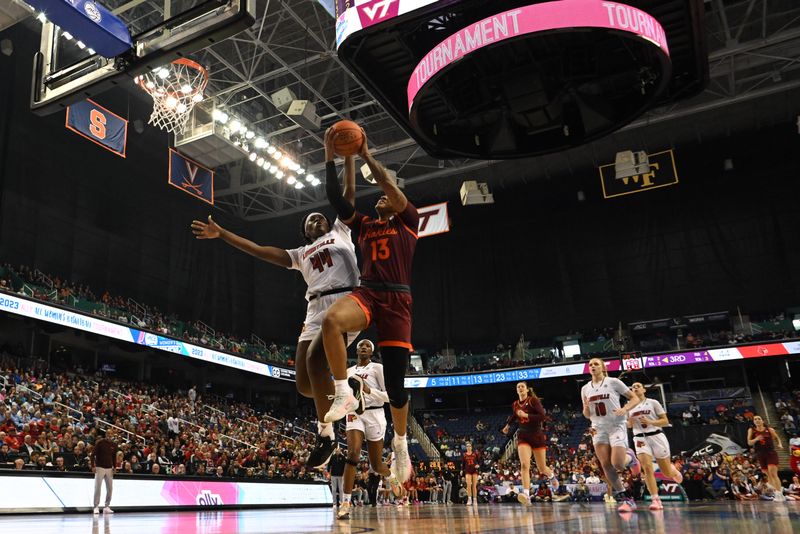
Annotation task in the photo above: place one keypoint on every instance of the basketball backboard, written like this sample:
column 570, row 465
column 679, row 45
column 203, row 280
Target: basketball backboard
column 67, row 70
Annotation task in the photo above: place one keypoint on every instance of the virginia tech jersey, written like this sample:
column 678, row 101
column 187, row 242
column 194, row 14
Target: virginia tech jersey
column 329, row 262
column 387, row 248
column 649, row 409
column 372, row 375
column 603, row 400
column 536, row 415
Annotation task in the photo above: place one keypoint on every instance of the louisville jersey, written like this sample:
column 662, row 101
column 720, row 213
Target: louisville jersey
column 372, row 375
column 603, row 400
column 648, row 409
column 387, row 248
column 536, row 415
column 327, row 263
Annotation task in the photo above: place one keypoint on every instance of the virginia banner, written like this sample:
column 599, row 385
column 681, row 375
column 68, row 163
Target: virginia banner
column 191, row 177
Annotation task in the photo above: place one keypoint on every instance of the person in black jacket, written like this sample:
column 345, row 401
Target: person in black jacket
column 336, row 468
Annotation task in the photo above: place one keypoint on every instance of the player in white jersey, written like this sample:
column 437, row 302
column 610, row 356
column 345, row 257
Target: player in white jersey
column 367, row 376
column 646, row 419
column 609, row 427
column 328, row 264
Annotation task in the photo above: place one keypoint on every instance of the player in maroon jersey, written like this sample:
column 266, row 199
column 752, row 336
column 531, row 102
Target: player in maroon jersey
column 529, row 414
column 469, row 465
column 763, row 438
column 384, row 297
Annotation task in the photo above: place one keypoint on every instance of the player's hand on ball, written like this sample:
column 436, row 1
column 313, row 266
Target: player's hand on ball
column 210, row 230
column 364, row 150
column 330, row 139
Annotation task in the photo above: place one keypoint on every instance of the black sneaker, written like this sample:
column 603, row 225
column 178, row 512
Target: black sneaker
column 357, row 384
column 321, row 454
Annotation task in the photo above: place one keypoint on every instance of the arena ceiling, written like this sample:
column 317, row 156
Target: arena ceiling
column 754, row 60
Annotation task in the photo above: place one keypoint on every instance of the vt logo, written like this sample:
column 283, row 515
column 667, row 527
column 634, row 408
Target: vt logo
column 377, row 11
column 661, row 173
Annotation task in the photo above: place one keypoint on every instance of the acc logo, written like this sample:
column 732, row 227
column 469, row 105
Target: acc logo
column 275, row 372
column 151, row 340
column 92, row 12
column 762, row 350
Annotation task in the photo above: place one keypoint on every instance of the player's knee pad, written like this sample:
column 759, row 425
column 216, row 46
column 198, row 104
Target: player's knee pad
column 395, row 364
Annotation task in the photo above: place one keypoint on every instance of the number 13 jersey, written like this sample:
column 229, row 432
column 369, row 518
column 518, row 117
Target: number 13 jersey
column 387, row 248
column 603, row 400
column 327, row 263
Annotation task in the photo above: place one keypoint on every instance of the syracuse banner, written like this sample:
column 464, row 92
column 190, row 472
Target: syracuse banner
column 100, row 126
column 191, row 177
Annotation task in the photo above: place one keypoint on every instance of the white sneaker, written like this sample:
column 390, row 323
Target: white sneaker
column 401, row 467
column 108, row 510
column 343, row 404
column 96, row 510
column 523, row 499
column 344, row 511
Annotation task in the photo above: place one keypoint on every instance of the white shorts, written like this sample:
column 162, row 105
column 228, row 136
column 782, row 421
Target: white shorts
column 614, row 435
column 315, row 313
column 372, row 423
column 655, row 446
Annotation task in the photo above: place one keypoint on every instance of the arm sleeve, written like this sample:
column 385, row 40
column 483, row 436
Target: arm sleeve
column 381, row 394
column 333, row 189
column 512, row 419
column 620, row 387
column 537, row 413
column 410, row 217
column 294, row 255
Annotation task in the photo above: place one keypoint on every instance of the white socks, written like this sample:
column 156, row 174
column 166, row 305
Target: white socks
column 325, row 429
column 341, row 386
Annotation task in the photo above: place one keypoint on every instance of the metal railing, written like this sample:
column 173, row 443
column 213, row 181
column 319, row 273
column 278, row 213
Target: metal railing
column 427, row 445
column 120, row 429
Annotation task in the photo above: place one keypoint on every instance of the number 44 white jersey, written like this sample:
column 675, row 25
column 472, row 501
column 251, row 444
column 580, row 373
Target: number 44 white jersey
column 329, row 262
column 603, row 400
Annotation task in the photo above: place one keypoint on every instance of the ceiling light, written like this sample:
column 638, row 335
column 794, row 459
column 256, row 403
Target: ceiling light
column 253, row 156
column 291, row 180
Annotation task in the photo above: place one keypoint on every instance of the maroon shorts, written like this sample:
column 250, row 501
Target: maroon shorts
column 391, row 313
column 767, row 458
column 535, row 440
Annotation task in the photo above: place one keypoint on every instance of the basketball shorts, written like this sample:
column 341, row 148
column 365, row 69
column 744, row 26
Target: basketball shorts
column 315, row 313
column 615, row 435
column 372, row 423
column 655, row 446
column 391, row 313
column 534, row 440
column 766, row 458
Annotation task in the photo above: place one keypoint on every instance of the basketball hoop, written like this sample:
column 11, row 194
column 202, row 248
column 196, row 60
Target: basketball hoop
column 175, row 89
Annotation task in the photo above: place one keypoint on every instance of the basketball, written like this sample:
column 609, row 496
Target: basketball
column 348, row 138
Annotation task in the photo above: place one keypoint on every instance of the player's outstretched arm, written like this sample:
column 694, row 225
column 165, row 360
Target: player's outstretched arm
column 211, row 230
column 344, row 207
column 396, row 197
column 350, row 180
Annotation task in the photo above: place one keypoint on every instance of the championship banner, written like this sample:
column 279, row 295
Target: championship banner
column 661, row 173
column 433, row 220
column 97, row 124
column 191, row 177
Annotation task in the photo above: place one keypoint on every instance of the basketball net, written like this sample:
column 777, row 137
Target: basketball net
column 175, row 89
